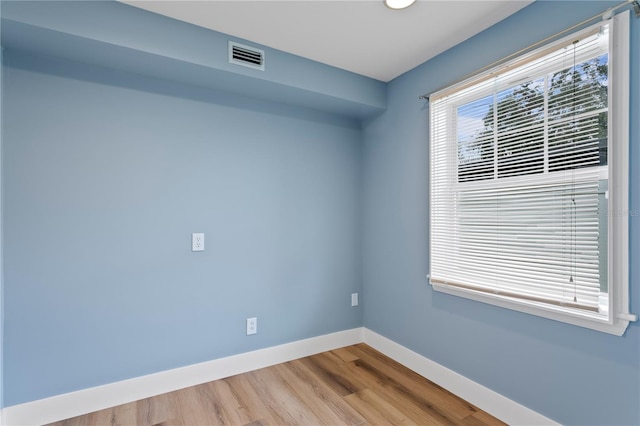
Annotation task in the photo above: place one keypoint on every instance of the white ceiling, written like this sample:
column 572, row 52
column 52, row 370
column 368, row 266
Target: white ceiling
column 362, row 36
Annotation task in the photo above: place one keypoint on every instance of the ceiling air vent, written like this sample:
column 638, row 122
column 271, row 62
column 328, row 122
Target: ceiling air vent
column 246, row 56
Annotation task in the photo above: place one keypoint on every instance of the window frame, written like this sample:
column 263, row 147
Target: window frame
column 618, row 192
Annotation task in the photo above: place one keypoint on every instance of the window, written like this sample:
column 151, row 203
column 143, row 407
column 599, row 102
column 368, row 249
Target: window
column 529, row 182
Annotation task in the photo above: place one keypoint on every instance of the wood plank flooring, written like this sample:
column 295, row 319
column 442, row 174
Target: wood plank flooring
column 355, row 385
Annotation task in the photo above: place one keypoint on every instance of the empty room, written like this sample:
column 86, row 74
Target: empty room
column 320, row 212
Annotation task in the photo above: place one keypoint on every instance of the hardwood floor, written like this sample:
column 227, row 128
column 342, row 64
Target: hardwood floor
column 356, row 385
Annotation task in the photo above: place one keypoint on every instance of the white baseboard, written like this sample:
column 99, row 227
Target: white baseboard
column 85, row 401
column 484, row 398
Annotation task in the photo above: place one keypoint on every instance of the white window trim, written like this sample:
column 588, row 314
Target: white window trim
column 618, row 215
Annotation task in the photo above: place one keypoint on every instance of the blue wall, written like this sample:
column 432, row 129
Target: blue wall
column 570, row 374
column 107, row 174
column 116, row 35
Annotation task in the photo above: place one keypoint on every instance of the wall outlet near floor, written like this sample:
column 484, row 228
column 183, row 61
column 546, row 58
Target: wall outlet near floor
column 197, row 241
column 252, row 326
column 354, row 299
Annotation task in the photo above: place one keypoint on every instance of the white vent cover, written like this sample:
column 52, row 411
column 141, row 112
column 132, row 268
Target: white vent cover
column 246, row 56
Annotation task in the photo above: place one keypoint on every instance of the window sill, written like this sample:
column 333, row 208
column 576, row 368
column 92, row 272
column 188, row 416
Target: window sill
column 616, row 326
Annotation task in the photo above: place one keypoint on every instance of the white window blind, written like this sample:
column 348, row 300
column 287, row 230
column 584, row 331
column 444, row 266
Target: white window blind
column 520, row 180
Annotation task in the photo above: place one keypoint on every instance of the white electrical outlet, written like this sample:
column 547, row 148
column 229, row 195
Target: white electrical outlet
column 354, row 299
column 252, row 326
column 197, row 242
